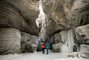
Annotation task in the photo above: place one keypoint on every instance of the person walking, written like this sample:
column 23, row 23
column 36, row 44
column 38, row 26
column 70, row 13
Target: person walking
column 43, row 47
column 47, row 47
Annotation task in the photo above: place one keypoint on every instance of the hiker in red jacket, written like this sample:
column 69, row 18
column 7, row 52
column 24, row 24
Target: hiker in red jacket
column 43, row 47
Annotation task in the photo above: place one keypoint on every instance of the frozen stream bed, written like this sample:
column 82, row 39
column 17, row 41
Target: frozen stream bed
column 36, row 56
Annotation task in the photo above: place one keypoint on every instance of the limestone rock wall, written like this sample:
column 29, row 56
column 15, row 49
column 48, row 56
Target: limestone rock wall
column 60, row 15
column 9, row 40
column 23, row 13
column 57, row 47
column 67, row 13
column 19, row 14
column 29, row 42
column 57, row 38
column 82, row 35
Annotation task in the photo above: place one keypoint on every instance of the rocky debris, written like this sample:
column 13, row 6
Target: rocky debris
column 29, row 42
column 84, row 51
column 57, row 47
column 73, row 55
column 82, row 35
column 9, row 40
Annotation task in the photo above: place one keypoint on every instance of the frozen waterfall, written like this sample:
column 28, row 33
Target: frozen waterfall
column 41, row 20
column 41, row 16
column 68, row 42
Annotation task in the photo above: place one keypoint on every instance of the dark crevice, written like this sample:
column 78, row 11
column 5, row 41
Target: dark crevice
column 85, row 8
column 53, row 33
column 85, row 20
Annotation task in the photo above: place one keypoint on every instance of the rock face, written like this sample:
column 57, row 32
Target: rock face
column 82, row 35
column 57, row 47
column 79, row 12
column 83, row 30
column 57, row 38
column 9, row 40
column 65, row 13
column 57, row 43
column 46, row 18
column 19, row 14
column 34, row 42
column 84, row 51
column 28, row 42
column 25, row 42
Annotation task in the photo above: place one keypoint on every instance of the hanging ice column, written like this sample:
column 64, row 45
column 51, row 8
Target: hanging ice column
column 67, row 38
column 64, row 48
column 40, row 21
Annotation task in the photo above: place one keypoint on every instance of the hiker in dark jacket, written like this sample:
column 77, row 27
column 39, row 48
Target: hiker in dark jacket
column 47, row 47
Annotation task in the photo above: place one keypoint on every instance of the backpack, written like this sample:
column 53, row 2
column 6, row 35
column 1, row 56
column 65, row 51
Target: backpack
column 47, row 46
column 43, row 46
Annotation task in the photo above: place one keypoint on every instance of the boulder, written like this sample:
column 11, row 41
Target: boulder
column 25, row 42
column 34, row 42
column 28, row 42
column 9, row 40
column 57, row 47
column 84, row 51
column 57, row 38
column 82, row 35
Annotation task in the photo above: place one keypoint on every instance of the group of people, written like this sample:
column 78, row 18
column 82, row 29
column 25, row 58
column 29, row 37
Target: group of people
column 45, row 47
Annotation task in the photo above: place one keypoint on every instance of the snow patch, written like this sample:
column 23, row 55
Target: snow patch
column 68, row 59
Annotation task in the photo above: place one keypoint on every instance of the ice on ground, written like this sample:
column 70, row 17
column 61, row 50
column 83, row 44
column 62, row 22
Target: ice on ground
column 36, row 56
column 67, row 59
column 31, row 56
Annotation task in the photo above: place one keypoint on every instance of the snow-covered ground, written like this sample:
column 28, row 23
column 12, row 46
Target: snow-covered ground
column 31, row 56
column 36, row 56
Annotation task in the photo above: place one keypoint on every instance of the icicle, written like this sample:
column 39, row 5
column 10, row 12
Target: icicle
column 41, row 16
column 64, row 48
column 41, row 20
column 67, row 38
column 70, row 41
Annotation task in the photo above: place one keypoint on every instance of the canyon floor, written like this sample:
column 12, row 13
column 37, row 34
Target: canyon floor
column 37, row 56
